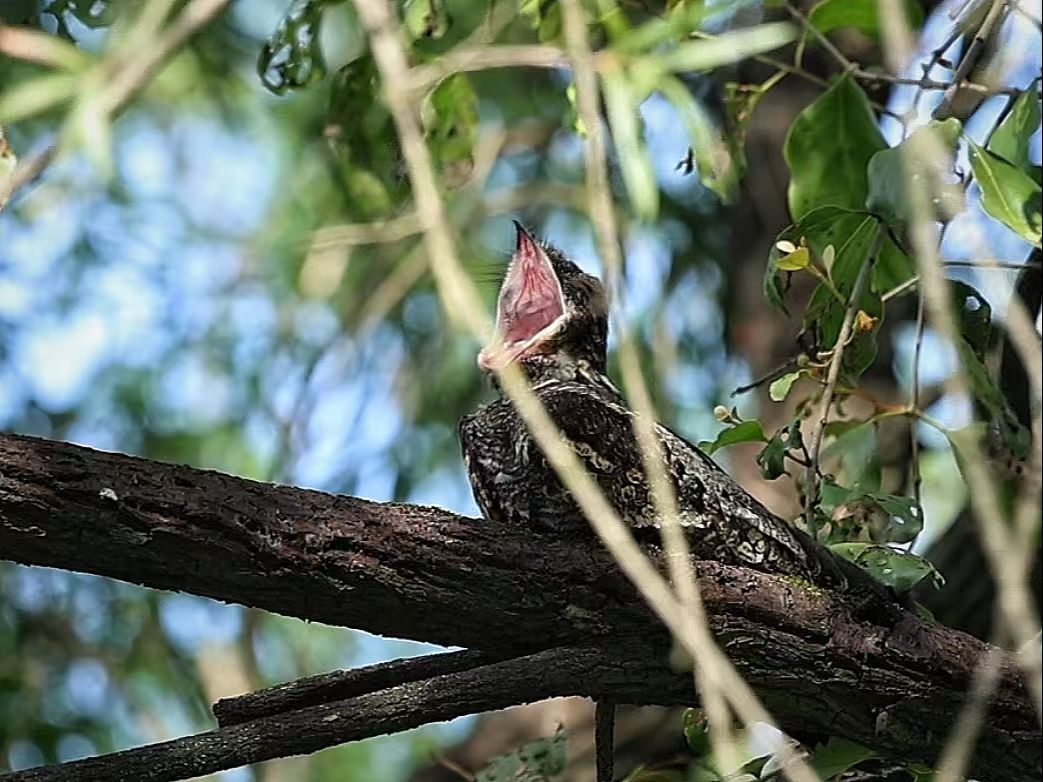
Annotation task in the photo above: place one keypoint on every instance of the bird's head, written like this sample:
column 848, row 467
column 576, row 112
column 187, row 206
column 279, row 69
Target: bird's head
column 548, row 308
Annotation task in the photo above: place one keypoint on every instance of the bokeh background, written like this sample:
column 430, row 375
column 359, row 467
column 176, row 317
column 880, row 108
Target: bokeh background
column 203, row 304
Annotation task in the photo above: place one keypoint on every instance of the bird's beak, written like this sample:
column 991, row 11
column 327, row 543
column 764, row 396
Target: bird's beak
column 530, row 308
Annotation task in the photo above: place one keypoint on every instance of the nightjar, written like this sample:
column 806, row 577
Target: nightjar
column 552, row 321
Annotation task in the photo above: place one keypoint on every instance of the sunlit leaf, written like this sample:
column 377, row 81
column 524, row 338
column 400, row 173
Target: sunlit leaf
column 1008, row 194
column 1010, row 140
column 828, row 149
column 799, row 259
column 452, row 124
column 780, row 389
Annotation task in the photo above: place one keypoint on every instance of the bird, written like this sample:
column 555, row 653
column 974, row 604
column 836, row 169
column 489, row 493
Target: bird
column 552, row 322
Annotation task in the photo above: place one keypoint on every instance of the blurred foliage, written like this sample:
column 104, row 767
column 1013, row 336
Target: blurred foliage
column 189, row 283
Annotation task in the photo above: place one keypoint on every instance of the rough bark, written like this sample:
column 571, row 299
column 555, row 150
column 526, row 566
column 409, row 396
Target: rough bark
column 429, row 575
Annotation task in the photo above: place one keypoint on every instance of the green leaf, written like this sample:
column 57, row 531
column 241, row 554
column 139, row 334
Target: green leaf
column 974, row 315
column 621, row 103
column 825, row 312
column 820, row 228
column 799, row 259
column 904, row 509
column 899, row 570
column 914, row 165
column 860, row 14
column 536, row 761
column 1008, row 194
column 828, row 149
column 364, row 142
column 1010, row 140
column 696, row 732
column 772, row 459
column 453, row 128
column 780, row 389
column 1015, row 436
column 839, row 755
column 746, row 432
column 425, row 18
column 893, row 267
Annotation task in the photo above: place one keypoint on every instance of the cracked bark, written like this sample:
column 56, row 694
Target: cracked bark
column 426, row 574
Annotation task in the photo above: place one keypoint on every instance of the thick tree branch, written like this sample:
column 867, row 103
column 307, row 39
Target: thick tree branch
column 426, row 574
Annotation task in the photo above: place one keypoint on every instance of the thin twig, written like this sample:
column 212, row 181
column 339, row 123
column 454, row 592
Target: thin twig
column 914, row 403
column 832, row 377
column 26, row 174
column 481, row 58
column 811, row 490
column 602, row 217
column 970, row 59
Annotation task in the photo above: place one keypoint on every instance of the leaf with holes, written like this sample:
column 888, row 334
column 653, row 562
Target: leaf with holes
column 974, row 315
column 537, row 761
column 1008, row 194
column 899, row 570
column 292, row 58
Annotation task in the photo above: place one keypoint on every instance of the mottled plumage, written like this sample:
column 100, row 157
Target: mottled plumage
column 513, row 482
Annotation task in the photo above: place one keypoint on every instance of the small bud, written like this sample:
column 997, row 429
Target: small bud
column 721, row 413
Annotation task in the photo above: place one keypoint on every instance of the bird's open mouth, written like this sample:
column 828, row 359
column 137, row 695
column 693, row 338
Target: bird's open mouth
column 531, row 306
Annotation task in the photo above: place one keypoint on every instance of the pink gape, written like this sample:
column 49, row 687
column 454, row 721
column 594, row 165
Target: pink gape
column 530, row 306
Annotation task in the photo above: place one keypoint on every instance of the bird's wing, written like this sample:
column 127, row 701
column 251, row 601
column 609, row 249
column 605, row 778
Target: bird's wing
column 725, row 523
